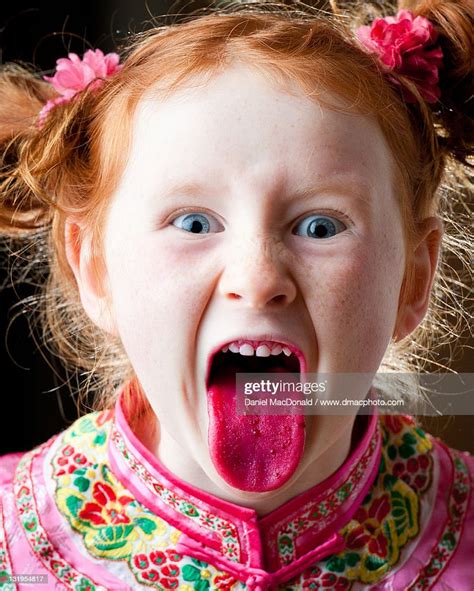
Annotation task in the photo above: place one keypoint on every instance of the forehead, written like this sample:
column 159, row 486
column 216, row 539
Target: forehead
column 242, row 124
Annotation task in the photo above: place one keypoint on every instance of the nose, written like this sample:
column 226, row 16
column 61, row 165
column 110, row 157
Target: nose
column 257, row 274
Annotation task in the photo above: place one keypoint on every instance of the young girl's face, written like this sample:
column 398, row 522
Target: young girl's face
column 296, row 236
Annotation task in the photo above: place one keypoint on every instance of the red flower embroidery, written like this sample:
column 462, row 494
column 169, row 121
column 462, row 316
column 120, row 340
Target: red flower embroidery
column 379, row 509
column 420, row 481
column 357, row 538
column 174, row 556
column 224, row 582
column 70, row 461
column 398, row 469
column 169, row 583
column 151, row 575
column 166, row 572
column 141, row 561
column 107, row 509
column 378, row 545
column 394, row 423
column 104, row 416
column 170, row 570
column 330, row 580
column 172, row 500
column 424, row 461
column 370, row 531
column 207, row 519
column 158, row 557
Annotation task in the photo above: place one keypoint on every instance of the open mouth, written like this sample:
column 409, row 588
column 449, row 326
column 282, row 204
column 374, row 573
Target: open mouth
column 252, row 453
column 236, row 362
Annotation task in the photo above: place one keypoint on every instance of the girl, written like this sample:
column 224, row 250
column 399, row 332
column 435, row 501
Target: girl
column 257, row 189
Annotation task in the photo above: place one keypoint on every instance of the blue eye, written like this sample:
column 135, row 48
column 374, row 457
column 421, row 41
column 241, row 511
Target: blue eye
column 319, row 226
column 195, row 223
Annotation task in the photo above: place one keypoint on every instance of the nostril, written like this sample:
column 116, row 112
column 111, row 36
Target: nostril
column 279, row 299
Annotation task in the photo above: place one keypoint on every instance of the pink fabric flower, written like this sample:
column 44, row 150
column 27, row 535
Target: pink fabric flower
column 73, row 75
column 406, row 45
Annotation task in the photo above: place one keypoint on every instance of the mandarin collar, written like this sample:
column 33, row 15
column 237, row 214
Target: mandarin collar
column 283, row 542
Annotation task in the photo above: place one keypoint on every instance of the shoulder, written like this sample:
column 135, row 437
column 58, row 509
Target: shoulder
column 12, row 464
column 450, row 563
column 28, row 517
column 8, row 464
column 442, row 479
column 86, row 432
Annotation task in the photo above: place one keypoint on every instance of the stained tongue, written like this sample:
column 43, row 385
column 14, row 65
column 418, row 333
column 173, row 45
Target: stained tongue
column 255, row 453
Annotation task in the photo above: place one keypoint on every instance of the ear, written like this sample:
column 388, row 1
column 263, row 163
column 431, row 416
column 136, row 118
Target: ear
column 83, row 262
column 425, row 259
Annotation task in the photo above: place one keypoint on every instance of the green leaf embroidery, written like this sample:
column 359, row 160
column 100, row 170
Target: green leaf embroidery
column 352, row 558
column 145, row 524
column 374, row 562
column 392, row 452
column 336, row 564
column 202, row 585
column 406, row 451
column 191, row 573
column 401, row 512
column 409, row 438
column 99, row 439
column 74, row 504
column 82, row 483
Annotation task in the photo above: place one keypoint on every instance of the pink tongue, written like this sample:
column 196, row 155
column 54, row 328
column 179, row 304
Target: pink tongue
column 255, row 453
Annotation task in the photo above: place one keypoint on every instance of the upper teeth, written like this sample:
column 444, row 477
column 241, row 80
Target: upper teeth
column 263, row 350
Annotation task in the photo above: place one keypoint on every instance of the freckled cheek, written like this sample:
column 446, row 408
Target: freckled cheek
column 339, row 291
column 352, row 302
column 157, row 282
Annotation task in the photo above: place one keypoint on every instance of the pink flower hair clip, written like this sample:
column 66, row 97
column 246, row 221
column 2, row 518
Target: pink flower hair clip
column 405, row 44
column 73, row 75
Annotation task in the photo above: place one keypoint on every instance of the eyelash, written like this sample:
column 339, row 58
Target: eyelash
column 343, row 217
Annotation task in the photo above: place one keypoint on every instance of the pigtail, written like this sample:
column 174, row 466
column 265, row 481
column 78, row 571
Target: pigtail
column 44, row 163
column 449, row 122
column 454, row 113
column 45, row 175
column 22, row 95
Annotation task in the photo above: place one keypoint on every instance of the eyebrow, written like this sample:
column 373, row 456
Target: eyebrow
column 188, row 189
column 350, row 188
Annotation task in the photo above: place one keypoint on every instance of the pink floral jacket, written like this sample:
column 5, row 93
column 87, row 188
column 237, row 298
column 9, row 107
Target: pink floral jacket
column 92, row 509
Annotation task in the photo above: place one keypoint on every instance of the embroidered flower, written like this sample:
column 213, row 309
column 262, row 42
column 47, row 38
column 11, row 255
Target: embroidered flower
column 156, row 568
column 207, row 519
column 330, row 580
column 104, row 416
column 393, row 423
column 371, row 530
column 73, row 75
column 70, row 461
column 107, row 508
column 406, row 45
column 224, row 582
column 189, row 509
column 70, row 578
